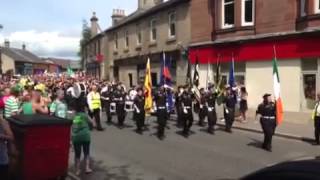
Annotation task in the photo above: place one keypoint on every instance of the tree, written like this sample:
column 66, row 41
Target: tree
column 86, row 36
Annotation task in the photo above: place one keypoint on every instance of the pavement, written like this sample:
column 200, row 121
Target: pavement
column 122, row 154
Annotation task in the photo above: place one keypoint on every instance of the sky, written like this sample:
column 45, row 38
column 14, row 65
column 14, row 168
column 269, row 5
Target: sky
column 52, row 28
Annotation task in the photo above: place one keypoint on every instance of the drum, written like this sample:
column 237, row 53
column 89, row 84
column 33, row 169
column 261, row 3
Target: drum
column 113, row 107
column 128, row 106
column 79, row 89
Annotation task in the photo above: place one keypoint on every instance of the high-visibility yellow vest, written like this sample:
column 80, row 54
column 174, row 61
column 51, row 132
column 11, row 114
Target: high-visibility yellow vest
column 95, row 101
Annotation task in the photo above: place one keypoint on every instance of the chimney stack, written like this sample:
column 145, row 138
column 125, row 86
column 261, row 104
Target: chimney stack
column 94, row 24
column 146, row 4
column 7, row 43
column 117, row 15
column 23, row 46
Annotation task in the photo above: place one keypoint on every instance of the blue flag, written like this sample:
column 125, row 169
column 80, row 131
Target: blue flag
column 231, row 74
column 166, row 79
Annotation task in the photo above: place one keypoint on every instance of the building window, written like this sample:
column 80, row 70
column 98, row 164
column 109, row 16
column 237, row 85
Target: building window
column 172, row 25
column 228, row 14
column 139, row 35
column 247, row 12
column 115, row 41
column 317, row 6
column 153, row 30
column 303, row 8
column 126, row 35
column 130, row 80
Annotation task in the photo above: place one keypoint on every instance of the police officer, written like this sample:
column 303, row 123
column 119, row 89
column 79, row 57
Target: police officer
column 186, row 104
column 161, row 108
column 106, row 97
column 267, row 110
column 119, row 99
column 139, row 112
column 230, row 101
column 178, row 106
column 211, row 109
column 202, row 107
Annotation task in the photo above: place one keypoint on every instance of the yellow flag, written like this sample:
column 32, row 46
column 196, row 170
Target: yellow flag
column 147, row 89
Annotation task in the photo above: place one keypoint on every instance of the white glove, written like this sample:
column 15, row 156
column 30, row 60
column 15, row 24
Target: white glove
column 201, row 106
column 138, row 111
column 185, row 111
column 209, row 109
column 227, row 111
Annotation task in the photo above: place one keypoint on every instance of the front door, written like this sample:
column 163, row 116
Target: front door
column 309, row 91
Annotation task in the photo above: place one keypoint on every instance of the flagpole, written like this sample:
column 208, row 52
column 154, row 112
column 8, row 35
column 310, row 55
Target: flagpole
column 207, row 73
column 274, row 51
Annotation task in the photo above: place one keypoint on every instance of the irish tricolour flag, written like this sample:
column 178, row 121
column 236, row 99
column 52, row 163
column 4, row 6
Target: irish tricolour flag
column 276, row 87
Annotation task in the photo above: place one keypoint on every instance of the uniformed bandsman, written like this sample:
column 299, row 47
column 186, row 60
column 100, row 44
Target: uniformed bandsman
column 186, row 104
column 161, row 109
column 178, row 106
column 139, row 112
column 106, row 97
column 119, row 99
column 316, row 118
column 267, row 110
column 211, row 107
column 202, row 107
column 229, row 101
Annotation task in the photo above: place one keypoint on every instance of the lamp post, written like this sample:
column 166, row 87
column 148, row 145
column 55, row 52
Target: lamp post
column 1, row 27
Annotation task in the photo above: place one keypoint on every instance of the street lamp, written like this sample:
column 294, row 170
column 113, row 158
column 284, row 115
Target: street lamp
column 1, row 27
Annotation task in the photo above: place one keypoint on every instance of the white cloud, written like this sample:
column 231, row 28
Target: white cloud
column 45, row 43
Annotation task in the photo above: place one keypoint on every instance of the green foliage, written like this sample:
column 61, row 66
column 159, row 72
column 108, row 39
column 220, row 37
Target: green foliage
column 86, row 36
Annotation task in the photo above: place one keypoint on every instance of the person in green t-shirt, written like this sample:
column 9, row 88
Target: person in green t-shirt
column 81, row 138
column 58, row 107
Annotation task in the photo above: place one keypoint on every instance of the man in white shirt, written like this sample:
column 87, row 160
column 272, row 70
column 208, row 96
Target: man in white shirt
column 317, row 120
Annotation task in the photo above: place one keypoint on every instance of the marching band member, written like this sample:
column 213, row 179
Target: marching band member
column 94, row 103
column 119, row 99
column 106, row 98
column 186, row 104
column 211, row 109
column 178, row 106
column 229, row 101
column 161, row 109
column 202, row 107
column 139, row 112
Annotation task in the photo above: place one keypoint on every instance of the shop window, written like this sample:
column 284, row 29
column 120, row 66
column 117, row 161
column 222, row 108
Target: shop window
column 139, row 35
column 115, row 41
column 228, row 13
column 126, row 35
column 172, row 25
column 309, row 65
column 247, row 9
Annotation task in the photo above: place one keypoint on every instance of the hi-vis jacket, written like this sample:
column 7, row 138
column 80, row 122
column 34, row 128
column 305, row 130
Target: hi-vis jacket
column 94, row 100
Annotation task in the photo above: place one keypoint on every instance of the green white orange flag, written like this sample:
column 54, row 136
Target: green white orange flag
column 147, row 89
column 276, row 87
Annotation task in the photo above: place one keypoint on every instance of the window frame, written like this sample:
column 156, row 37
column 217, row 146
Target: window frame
column 316, row 7
column 243, row 13
column 126, row 39
column 139, row 35
column 223, row 24
column 170, row 22
column 116, row 41
column 153, row 22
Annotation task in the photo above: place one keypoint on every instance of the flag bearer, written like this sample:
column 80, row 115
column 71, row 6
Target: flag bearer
column 186, row 104
column 211, row 107
column 94, row 103
column 202, row 107
column 139, row 112
column 230, row 101
column 267, row 110
column 316, row 118
column 160, row 106
column 178, row 106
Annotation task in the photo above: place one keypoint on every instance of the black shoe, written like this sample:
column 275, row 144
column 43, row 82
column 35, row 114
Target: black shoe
column 229, row 131
column 211, row 131
column 100, row 129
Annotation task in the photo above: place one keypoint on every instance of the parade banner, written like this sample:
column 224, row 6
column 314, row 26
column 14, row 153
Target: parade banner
column 148, row 89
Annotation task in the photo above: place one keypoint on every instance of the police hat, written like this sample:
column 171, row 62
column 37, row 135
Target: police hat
column 266, row 95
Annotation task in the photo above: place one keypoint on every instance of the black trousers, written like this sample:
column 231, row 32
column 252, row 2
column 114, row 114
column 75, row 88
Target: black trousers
column 202, row 116
column 317, row 129
column 81, row 147
column 108, row 113
column 179, row 116
column 229, row 118
column 212, row 120
column 140, row 119
column 4, row 172
column 162, row 121
column 268, row 127
column 187, row 121
column 121, row 114
column 96, row 115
